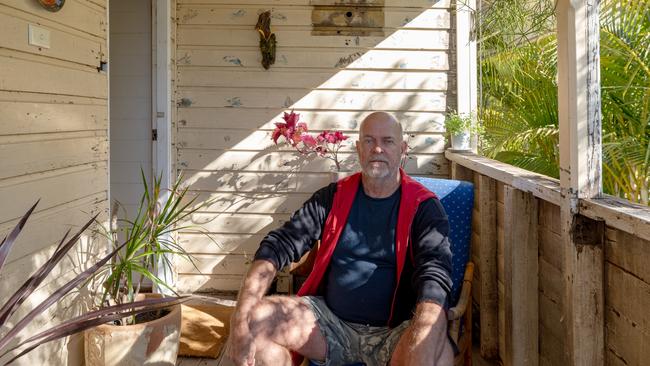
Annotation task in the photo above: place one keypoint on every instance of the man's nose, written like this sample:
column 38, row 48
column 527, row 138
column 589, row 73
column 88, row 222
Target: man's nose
column 377, row 149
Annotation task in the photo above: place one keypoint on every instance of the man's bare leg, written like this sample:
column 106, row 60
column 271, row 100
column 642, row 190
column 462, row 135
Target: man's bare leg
column 282, row 323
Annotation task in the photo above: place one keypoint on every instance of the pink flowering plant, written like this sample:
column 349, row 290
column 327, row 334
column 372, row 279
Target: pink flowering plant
column 326, row 144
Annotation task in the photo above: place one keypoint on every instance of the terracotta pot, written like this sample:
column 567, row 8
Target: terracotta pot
column 151, row 343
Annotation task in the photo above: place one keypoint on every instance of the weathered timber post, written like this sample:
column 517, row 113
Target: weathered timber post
column 580, row 177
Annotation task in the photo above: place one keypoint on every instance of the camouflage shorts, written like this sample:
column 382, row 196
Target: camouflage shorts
column 349, row 343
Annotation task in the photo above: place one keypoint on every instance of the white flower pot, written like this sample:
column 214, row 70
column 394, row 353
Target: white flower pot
column 461, row 142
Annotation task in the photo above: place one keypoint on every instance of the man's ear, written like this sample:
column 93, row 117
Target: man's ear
column 405, row 147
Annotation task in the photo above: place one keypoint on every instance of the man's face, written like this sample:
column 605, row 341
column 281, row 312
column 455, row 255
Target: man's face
column 380, row 146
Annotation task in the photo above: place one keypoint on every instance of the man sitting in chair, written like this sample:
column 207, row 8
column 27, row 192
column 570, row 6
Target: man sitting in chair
column 377, row 291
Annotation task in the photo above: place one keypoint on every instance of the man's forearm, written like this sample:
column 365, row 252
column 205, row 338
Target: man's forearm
column 425, row 341
column 430, row 314
column 428, row 326
column 258, row 279
column 257, row 282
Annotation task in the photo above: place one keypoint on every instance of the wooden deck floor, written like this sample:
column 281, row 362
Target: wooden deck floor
column 189, row 361
column 192, row 361
column 195, row 361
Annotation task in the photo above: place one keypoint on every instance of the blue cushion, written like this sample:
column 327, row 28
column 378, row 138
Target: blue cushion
column 457, row 197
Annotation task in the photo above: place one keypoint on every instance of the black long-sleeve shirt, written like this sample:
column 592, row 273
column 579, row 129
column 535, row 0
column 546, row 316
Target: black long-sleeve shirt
column 431, row 257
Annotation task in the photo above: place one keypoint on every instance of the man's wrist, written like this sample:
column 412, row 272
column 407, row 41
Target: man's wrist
column 239, row 319
column 429, row 314
column 240, row 327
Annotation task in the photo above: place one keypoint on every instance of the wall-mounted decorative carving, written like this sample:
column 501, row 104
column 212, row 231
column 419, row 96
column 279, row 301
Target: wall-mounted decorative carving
column 348, row 17
column 267, row 39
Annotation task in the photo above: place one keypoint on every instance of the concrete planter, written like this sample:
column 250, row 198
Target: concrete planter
column 151, row 343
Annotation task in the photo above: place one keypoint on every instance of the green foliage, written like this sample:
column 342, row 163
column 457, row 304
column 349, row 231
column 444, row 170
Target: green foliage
column 625, row 75
column 456, row 123
column 149, row 242
column 505, row 24
column 520, row 107
column 519, row 90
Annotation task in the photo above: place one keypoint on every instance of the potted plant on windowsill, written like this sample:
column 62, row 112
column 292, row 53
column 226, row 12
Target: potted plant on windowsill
column 461, row 127
column 151, row 338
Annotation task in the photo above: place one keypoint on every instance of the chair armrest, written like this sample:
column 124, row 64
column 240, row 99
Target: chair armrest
column 304, row 266
column 465, row 295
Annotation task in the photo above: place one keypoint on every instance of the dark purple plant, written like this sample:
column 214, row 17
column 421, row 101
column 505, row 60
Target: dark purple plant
column 68, row 327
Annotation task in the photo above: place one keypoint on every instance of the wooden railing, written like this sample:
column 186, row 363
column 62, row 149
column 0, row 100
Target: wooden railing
column 521, row 283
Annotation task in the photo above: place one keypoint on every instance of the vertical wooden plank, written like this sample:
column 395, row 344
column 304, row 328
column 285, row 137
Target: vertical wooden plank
column 521, row 278
column 580, row 175
column 162, row 72
column 466, row 60
column 461, row 173
column 579, row 96
column 584, row 289
column 163, row 91
column 488, row 266
column 501, row 269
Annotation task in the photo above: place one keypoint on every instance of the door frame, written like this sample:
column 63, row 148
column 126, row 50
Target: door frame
column 161, row 157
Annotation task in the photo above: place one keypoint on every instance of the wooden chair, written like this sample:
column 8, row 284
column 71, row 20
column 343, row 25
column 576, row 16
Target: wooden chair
column 460, row 321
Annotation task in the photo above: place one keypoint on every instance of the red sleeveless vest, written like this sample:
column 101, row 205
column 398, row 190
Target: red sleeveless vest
column 413, row 193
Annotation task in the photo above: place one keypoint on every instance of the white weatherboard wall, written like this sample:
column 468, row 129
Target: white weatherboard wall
column 53, row 146
column 130, row 104
column 227, row 104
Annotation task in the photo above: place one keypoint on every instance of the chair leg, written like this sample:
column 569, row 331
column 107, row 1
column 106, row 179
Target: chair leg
column 468, row 329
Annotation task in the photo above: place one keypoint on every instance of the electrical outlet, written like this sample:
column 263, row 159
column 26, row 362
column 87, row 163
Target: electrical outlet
column 39, row 37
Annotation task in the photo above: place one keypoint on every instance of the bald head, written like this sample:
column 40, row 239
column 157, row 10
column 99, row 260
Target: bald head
column 380, row 148
column 385, row 119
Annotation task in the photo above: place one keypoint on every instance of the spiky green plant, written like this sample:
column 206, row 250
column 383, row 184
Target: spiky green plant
column 149, row 242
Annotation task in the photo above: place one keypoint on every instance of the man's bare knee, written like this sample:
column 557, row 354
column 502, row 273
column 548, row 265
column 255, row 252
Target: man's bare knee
column 264, row 316
column 273, row 317
column 288, row 322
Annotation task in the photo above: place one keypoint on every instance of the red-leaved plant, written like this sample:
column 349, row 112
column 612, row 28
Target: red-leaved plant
column 326, row 144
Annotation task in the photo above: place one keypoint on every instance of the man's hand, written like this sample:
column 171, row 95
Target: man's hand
column 242, row 346
column 425, row 341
